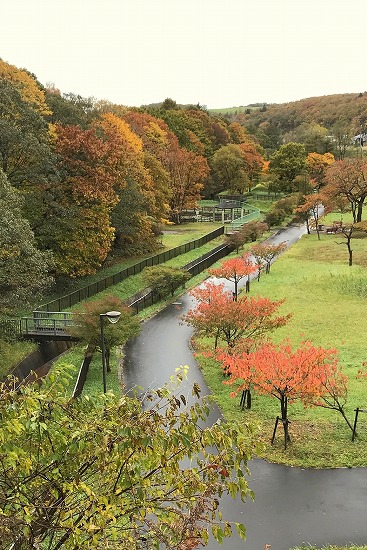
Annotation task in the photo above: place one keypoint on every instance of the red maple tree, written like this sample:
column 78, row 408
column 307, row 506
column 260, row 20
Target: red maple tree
column 218, row 315
column 309, row 373
column 234, row 270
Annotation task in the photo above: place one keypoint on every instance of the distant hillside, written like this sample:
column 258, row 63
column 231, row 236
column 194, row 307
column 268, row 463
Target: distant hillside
column 306, row 120
column 324, row 110
column 229, row 112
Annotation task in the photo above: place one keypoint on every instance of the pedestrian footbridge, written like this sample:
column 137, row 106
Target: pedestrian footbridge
column 43, row 326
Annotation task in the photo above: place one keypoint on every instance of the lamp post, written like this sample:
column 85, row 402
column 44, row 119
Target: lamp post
column 113, row 317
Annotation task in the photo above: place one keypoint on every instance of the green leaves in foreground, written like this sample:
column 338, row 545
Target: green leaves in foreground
column 107, row 472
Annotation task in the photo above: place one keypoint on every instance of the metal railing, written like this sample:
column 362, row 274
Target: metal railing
column 69, row 300
column 237, row 224
column 49, row 323
column 200, row 264
column 149, row 297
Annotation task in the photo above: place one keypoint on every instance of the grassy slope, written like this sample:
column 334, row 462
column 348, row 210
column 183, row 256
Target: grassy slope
column 333, row 548
column 135, row 283
column 328, row 300
column 12, row 353
column 173, row 236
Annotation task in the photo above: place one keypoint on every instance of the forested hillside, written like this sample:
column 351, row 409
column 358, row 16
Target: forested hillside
column 319, row 122
column 92, row 179
column 85, row 181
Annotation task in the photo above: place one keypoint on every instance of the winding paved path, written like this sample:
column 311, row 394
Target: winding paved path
column 292, row 506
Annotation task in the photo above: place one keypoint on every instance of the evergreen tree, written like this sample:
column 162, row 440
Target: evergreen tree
column 23, row 268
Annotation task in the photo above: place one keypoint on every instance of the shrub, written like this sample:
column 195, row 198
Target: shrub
column 275, row 217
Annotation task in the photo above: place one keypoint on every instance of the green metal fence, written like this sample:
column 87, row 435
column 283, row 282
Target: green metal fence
column 253, row 214
column 69, row 300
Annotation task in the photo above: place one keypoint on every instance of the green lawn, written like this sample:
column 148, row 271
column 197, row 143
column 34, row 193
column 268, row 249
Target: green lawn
column 12, row 353
column 174, row 235
column 332, row 548
column 233, row 110
column 263, row 205
column 328, row 300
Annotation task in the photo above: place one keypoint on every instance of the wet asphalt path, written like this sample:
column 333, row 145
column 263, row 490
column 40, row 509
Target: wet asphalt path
column 292, row 506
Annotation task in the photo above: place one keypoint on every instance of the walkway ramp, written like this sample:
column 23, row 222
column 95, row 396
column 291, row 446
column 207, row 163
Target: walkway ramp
column 235, row 225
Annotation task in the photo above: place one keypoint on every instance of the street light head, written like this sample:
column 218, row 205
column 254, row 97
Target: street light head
column 113, row 316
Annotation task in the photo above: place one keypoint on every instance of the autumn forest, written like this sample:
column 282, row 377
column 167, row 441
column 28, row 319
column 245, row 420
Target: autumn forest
column 83, row 180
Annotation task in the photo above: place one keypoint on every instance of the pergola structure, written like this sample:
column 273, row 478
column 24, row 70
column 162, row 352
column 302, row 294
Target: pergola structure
column 230, row 210
column 225, row 211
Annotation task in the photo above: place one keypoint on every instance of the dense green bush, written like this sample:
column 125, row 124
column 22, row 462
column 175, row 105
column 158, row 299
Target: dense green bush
column 275, row 216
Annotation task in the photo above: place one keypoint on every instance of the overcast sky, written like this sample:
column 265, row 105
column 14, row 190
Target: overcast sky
column 219, row 53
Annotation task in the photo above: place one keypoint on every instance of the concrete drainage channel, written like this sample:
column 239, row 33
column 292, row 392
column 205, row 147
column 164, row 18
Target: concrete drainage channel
column 40, row 361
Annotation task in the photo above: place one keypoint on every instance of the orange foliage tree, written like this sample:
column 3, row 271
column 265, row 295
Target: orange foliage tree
column 348, row 179
column 217, row 314
column 188, row 172
column 133, row 215
column 235, row 269
column 238, row 133
column 87, row 163
column 125, row 146
column 254, row 162
column 90, row 172
column 156, row 139
column 27, row 85
column 308, row 373
column 311, row 205
column 265, row 253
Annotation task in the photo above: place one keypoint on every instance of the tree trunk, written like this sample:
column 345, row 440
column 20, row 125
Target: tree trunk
column 246, row 399
column 341, row 410
column 360, row 209
column 284, row 410
column 249, row 399
column 284, row 407
column 350, row 252
column 354, row 212
column 216, row 340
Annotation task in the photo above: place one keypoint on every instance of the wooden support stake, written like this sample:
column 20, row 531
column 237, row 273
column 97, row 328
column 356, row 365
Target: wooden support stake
column 275, row 429
column 355, row 423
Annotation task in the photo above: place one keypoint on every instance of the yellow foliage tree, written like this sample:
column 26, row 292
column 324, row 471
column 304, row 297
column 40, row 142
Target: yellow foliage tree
column 317, row 165
column 27, row 86
column 82, row 250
